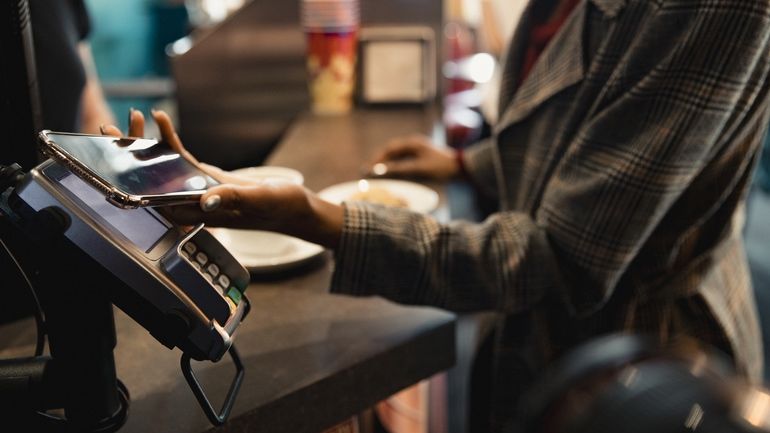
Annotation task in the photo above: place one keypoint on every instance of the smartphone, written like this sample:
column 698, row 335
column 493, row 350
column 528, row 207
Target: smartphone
column 130, row 172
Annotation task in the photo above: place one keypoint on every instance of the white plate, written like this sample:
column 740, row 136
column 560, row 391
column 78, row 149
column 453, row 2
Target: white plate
column 419, row 198
column 263, row 252
column 270, row 173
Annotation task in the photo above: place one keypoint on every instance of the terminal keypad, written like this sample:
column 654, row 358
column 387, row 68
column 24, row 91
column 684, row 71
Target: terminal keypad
column 211, row 272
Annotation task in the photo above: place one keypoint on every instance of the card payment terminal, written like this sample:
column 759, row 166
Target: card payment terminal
column 180, row 284
column 193, row 284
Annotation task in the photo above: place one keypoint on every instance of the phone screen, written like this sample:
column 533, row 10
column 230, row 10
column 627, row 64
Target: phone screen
column 135, row 166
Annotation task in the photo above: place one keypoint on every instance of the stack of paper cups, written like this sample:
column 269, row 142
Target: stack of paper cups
column 330, row 15
column 331, row 27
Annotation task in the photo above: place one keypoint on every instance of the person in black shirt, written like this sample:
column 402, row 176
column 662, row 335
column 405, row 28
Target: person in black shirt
column 71, row 101
column 70, row 92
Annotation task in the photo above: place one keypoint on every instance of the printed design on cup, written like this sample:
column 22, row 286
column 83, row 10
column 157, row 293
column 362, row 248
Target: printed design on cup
column 331, row 27
column 331, row 66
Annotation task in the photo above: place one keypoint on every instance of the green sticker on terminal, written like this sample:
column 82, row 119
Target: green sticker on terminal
column 234, row 294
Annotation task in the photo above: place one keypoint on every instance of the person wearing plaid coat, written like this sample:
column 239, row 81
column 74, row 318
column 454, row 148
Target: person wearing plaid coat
column 620, row 163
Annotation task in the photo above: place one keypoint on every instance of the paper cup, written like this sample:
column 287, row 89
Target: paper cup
column 330, row 15
column 331, row 28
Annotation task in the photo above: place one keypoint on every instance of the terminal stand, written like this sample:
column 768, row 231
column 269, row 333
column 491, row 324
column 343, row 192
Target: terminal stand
column 78, row 376
column 76, row 294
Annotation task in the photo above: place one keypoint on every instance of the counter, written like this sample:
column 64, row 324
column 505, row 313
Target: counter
column 312, row 359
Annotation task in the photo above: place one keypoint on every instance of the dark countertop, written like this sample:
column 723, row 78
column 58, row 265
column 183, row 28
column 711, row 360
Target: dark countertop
column 312, row 359
column 341, row 144
column 333, row 149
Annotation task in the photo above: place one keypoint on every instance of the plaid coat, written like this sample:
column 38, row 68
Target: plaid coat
column 620, row 163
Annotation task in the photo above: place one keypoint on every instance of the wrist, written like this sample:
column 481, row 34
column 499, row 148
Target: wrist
column 461, row 170
column 329, row 219
column 307, row 217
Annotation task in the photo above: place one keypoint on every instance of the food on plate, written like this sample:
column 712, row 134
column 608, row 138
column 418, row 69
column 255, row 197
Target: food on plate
column 382, row 196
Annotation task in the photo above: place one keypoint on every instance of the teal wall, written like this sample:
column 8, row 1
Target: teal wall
column 128, row 40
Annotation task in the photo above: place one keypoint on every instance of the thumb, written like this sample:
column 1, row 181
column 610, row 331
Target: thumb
column 220, row 197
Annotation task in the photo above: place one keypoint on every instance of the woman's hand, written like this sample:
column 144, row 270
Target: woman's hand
column 415, row 156
column 168, row 134
column 135, row 126
column 284, row 208
column 244, row 203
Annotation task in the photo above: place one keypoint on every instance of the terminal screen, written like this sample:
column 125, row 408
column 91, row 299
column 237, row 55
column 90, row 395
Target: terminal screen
column 143, row 227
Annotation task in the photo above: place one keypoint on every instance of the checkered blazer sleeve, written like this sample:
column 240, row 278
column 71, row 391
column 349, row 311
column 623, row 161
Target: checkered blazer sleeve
column 694, row 77
column 479, row 161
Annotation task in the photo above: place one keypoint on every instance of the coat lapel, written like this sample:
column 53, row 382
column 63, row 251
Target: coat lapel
column 561, row 64
column 610, row 8
column 513, row 58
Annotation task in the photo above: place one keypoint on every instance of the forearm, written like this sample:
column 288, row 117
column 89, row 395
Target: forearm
column 94, row 110
column 480, row 167
column 504, row 264
column 289, row 209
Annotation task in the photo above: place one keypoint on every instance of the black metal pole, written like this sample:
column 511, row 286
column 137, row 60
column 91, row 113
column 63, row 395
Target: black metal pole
column 79, row 376
column 19, row 96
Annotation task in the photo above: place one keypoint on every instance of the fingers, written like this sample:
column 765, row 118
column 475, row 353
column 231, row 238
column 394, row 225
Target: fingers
column 135, row 126
column 167, row 131
column 188, row 215
column 230, row 197
column 255, row 203
column 280, row 208
column 216, row 172
column 224, row 176
column 217, row 207
column 397, row 149
column 111, row 130
column 212, row 200
column 404, row 168
column 220, row 206
column 401, row 148
column 400, row 157
column 169, row 135
column 135, row 123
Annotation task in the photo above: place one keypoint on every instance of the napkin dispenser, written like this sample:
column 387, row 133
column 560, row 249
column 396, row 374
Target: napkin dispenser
column 397, row 64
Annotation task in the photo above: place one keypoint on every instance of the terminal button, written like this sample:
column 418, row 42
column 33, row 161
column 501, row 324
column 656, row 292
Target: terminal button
column 213, row 269
column 190, row 248
column 234, row 294
column 201, row 258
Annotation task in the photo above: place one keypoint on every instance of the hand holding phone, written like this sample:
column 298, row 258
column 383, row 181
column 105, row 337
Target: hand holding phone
column 168, row 134
column 242, row 203
column 132, row 172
